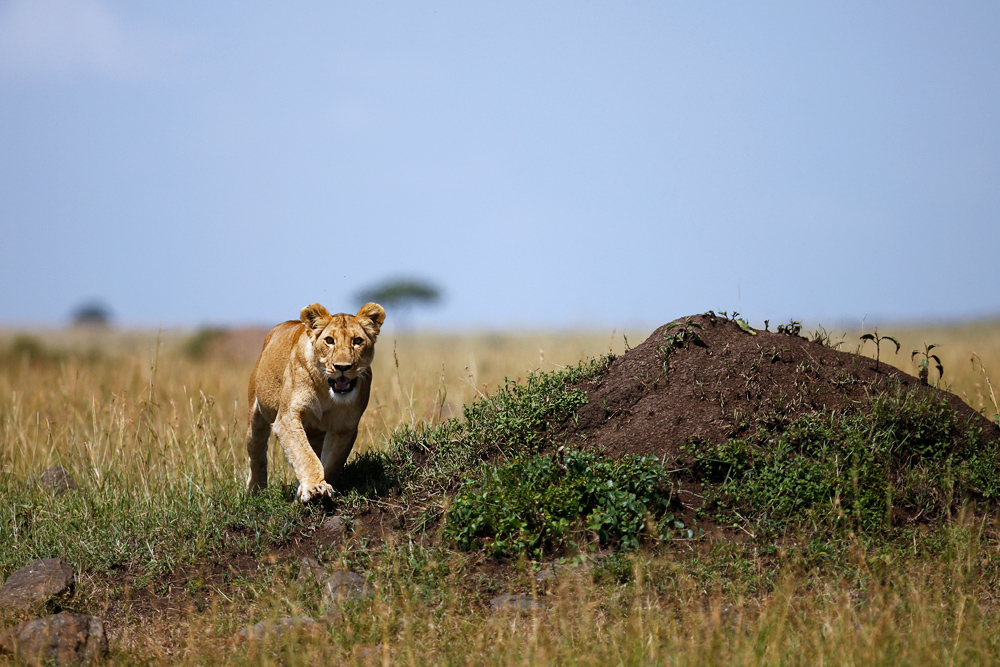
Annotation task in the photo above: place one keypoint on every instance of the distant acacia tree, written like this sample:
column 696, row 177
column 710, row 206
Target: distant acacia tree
column 400, row 295
column 92, row 314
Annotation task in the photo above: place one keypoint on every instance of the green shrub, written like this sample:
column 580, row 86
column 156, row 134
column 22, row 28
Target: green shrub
column 544, row 504
column 28, row 349
column 198, row 345
column 906, row 454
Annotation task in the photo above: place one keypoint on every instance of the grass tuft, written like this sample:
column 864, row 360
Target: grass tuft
column 513, row 420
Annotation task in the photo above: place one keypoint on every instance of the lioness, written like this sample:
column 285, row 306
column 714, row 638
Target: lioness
column 311, row 386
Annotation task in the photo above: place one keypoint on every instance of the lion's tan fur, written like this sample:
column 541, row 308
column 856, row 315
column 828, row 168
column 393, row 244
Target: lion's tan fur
column 292, row 392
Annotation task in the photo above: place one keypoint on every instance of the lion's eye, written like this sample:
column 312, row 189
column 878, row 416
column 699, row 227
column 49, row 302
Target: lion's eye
column 358, row 340
column 328, row 340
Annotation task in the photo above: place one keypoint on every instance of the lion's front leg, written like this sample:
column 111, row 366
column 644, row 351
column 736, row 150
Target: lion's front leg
column 336, row 448
column 308, row 469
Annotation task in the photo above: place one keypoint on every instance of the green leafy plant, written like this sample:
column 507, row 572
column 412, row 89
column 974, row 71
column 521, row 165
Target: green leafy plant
column 903, row 454
column 877, row 339
column 742, row 324
column 739, row 321
column 539, row 505
column 925, row 363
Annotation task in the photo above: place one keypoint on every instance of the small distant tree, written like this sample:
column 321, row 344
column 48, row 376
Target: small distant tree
column 401, row 295
column 92, row 314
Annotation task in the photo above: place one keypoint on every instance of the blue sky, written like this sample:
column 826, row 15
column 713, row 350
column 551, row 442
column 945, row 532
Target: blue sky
column 547, row 164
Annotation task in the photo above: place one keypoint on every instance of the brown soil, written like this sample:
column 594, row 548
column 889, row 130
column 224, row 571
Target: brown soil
column 726, row 384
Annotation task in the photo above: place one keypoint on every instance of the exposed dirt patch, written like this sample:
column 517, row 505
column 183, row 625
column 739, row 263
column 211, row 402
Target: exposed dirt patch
column 723, row 382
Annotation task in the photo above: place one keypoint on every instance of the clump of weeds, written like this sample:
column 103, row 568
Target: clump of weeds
column 793, row 328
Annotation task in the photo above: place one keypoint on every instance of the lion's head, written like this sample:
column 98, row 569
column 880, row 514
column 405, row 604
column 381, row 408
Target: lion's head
column 343, row 345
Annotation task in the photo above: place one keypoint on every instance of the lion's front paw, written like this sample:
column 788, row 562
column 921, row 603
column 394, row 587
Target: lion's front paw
column 308, row 492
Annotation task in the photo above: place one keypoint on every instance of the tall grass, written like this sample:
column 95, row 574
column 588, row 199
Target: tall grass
column 140, row 405
column 154, row 435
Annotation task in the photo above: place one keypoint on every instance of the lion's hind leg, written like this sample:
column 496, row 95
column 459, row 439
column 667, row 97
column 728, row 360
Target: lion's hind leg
column 258, row 433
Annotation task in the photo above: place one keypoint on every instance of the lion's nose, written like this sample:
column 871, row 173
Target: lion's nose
column 343, row 367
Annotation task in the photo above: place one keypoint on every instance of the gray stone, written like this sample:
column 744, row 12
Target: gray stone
column 274, row 627
column 334, row 527
column 517, row 603
column 311, row 568
column 57, row 480
column 337, row 586
column 63, row 639
column 341, row 586
column 35, row 584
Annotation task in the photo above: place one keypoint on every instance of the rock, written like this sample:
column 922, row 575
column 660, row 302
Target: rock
column 36, row 584
column 337, row 586
column 311, row 568
column 63, row 639
column 334, row 526
column 341, row 586
column 274, row 627
column 57, row 480
column 516, row 603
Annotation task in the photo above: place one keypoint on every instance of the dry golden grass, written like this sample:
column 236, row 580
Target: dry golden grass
column 429, row 377
column 970, row 354
column 90, row 395
column 86, row 398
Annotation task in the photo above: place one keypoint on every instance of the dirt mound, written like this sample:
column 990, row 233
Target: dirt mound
column 708, row 377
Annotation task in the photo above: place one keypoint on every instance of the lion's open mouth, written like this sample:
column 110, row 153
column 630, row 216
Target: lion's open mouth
column 342, row 384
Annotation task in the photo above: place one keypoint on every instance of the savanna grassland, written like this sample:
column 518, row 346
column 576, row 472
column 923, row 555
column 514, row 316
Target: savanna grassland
column 176, row 558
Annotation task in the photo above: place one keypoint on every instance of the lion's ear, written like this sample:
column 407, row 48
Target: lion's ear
column 315, row 316
column 371, row 316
